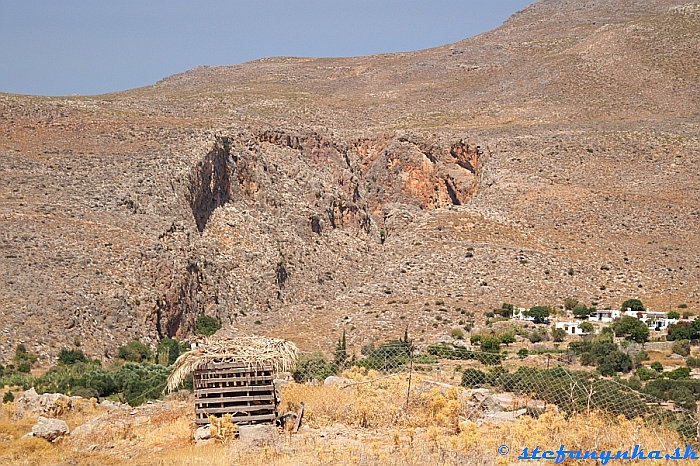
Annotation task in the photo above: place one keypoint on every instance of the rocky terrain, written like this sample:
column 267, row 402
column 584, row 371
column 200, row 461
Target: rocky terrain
column 556, row 156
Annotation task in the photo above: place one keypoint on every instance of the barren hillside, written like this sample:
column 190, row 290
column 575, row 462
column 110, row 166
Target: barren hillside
column 556, row 156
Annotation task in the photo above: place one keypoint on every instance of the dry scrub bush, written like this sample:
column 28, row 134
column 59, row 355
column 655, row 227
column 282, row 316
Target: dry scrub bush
column 222, row 428
column 370, row 400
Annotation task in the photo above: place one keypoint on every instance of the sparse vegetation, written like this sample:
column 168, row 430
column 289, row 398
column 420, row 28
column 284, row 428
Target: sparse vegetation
column 207, row 325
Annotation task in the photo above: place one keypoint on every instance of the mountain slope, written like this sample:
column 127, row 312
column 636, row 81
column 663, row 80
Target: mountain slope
column 555, row 156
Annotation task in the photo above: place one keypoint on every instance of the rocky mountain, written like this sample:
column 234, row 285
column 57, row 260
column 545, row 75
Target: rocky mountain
column 555, row 156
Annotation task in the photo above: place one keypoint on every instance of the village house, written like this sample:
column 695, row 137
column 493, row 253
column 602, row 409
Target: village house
column 571, row 328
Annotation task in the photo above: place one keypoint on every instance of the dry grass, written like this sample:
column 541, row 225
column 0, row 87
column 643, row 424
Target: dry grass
column 364, row 423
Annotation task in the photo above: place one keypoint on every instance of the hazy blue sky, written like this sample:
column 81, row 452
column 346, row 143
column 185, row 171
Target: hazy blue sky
column 95, row 46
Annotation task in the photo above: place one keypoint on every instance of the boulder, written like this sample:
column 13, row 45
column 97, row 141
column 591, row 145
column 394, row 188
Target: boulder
column 260, row 435
column 334, row 380
column 504, row 416
column 48, row 403
column 50, row 429
column 202, row 433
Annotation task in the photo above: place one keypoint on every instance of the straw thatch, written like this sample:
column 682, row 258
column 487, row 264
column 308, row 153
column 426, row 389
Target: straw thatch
column 252, row 351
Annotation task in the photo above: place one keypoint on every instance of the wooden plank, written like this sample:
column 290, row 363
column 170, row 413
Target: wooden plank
column 234, row 371
column 237, row 366
column 300, row 414
column 239, row 388
column 234, row 399
column 241, row 419
column 235, row 409
column 260, row 378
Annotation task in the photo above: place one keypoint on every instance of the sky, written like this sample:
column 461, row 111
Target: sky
column 94, row 46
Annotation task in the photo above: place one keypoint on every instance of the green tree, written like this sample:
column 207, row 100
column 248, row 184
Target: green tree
column 491, row 344
column 341, row 354
column 582, row 312
column 535, row 336
column 313, row 366
column 674, row 315
column 631, row 328
column 558, row 334
column 168, row 351
column 475, row 339
column 507, row 338
column 692, row 362
column 570, row 304
column 586, row 327
column 680, row 331
column 640, row 357
column 22, row 355
column 135, row 351
column 539, row 313
column 681, row 347
column 634, row 305
column 71, row 356
column 207, row 325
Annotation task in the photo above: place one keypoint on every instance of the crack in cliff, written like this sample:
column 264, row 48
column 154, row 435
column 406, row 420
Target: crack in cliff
column 210, row 185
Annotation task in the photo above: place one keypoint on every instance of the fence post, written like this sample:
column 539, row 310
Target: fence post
column 410, row 373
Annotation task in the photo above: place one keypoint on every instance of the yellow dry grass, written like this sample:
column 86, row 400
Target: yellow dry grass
column 365, row 423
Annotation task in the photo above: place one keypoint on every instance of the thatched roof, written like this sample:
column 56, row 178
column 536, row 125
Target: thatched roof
column 252, row 350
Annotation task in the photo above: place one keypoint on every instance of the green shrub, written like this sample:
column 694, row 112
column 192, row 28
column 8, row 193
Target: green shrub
column 25, row 367
column 631, row 328
column 641, row 356
column 558, row 334
column 657, row 366
column 475, row 339
column 634, row 305
column 135, row 351
column 473, row 378
column 644, row 373
column 491, row 344
column 679, row 373
column 313, row 366
column 85, row 392
column 207, row 325
column 100, row 381
column 139, row 383
column 539, row 313
column 168, row 351
column 8, row 397
column 681, row 347
column 71, row 356
column 692, row 362
column 523, row 353
column 457, row 334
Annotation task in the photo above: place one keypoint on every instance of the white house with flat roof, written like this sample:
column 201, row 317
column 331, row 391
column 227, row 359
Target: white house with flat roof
column 605, row 315
column 571, row 328
column 519, row 314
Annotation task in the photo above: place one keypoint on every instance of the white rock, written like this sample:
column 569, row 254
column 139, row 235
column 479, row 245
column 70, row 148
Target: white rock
column 50, row 429
column 202, row 433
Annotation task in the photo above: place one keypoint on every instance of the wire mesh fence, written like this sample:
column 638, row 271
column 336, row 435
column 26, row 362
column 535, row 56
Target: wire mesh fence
column 534, row 384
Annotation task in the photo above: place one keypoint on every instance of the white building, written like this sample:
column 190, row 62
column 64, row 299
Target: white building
column 571, row 328
column 653, row 320
column 519, row 314
column 605, row 315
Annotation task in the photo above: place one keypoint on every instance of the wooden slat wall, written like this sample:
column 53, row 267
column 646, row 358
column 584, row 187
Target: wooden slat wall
column 245, row 392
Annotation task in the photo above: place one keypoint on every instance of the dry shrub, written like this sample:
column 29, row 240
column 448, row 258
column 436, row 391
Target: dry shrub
column 370, row 400
column 222, row 428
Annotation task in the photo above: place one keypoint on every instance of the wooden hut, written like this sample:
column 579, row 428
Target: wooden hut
column 234, row 375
